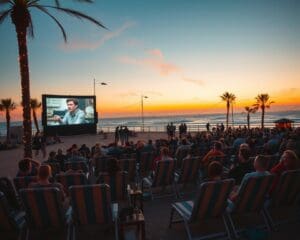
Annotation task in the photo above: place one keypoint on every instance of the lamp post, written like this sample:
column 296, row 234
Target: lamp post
column 142, row 105
column 94, row 89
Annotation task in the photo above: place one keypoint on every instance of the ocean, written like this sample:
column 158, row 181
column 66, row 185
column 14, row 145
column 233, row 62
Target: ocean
column 194, row 122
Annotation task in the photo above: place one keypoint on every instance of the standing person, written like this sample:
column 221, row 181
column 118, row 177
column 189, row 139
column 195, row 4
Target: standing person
column 222, row 127
column 168, row 131
column 74, row 115
column 207, row 126
column 43, row 144
column 126, row 134
column 117, row 137
column 36, row 143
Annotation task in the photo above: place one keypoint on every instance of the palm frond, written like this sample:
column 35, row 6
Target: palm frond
column 30, row 27
column 77, row 14
column 4, row 14
column 43, row 9
column 2, row 2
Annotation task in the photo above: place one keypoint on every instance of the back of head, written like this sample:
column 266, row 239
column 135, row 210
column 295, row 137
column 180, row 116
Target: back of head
column 261, row 163
column 215, row 169
column 291, row 160
column 164, row 151
column 218, row 145
column 24, row 165
column 244, row 152
column 44, row 172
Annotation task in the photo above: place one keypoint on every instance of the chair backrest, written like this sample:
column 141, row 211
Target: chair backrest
column 181, row 154
column 6, row 222
column 71, row 179
column 7, row 188
column 271, row 160
column 129, row 166
column 23, row 182
column 288, row 189
column 118, row 184
column 252, row 193
column 55, row 167
column 189, row 170
column 211, row 200
column 164, row 173
column 43, row 207
column 101, row 164
column 76, row 165
column 91, row 204
column 128, row 155
column 146, row 163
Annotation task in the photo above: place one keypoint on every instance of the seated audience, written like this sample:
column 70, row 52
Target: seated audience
column 164, row 155
column 215, row 152
column 27, row 167
column 215, row 171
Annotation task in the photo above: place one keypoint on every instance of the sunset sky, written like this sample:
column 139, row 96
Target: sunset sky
column 182, row 54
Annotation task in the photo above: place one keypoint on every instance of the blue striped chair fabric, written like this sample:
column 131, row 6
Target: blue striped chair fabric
column 146, row 163
column 189, row 171
column 11, row 220
column 23, row 182
column 211, row 202
column 43, row 207
column 91, row 204
column 118, row 184
column 71, row 179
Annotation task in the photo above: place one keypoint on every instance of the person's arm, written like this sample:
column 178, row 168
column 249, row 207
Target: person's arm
column 80, row 118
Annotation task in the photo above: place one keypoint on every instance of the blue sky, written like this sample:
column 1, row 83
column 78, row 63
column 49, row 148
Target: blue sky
column 183, row 54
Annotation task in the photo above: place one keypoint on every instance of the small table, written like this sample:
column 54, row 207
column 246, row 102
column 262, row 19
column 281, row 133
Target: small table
column 136, row 219
column 136, row 195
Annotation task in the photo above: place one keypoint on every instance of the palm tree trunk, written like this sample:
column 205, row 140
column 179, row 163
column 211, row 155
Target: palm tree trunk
column 232, row 115
column 7, row 126
column 262, row 117
column 25, row 84
column 35, row 120
column 248, row 120
column 227, row 115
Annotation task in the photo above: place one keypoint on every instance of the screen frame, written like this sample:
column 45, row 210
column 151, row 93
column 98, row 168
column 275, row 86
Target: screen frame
column 68, row 129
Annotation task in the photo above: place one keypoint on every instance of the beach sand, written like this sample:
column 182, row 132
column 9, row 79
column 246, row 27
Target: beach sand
column 9, row 158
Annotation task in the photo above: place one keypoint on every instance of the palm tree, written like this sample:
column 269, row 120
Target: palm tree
column 262, row 102
column 250, row 110
column 34, row 105
column 7, row 105
column 232, row 100
column 21, row 18
column 228, row 98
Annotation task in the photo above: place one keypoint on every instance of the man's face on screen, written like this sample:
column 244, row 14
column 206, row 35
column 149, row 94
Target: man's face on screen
column 71, row 106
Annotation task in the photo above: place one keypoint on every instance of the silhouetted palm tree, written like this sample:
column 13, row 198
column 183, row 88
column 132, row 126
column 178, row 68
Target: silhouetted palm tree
column 262, row 102
column 7, row 105
column 232, row 100
column 34, row 105
column 21, row 18
column 228, row 98
column 250, row 110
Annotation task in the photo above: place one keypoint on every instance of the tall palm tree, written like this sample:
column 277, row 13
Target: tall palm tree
column 20, row 15
column 228, row 98
column 34, row 105
column 7, row 105
column 249, row 110
column 262, row 102
column 232, row 100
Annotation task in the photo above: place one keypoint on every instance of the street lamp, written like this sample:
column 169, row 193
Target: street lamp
column 94, row 89
column 142, row 104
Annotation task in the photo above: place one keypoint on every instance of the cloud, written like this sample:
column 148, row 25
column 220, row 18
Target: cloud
column 129, row 94
column 154, row 93
column 154, row 60
column 195, row 81
column 82, row 44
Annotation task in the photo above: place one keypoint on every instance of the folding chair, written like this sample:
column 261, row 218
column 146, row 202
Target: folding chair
column 71, row 179
column 211, row 202
column 129, row 166
column 163, row 177
column 23, row 182
column 91, row 207
column 7, row 188
column 146, row 163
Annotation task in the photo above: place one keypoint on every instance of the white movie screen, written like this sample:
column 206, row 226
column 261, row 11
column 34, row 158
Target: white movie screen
column 70, row 110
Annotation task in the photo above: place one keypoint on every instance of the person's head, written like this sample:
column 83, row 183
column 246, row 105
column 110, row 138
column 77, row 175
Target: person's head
column 164, row 151
column 217, row 145
column 244, row 152
column 44, row 172
column 25, row 165
column 290, row 160
column 260, row 163
column 215, row 170
column 52, row 154
column 183, row 141
column 59, row 151
column 72, row 104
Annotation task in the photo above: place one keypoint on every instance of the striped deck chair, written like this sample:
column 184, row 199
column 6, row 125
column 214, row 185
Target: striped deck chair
column 286, row 196
column 189, row 173
column 12, row 222
column 7, row 188
column 251, row 198
column 101, row 164
column 23, row 182
column 128, row 156
column 44, row 211
column 211, row 202
column 129, row 166
column 76, row 165
column 163, row 177
column 118, row 185
column 180, row 155
column 71, row 179
column 91, row 206
column 55, row 167
column 146, row 163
